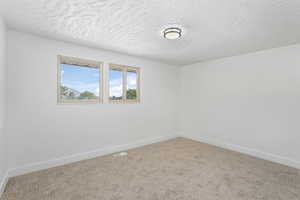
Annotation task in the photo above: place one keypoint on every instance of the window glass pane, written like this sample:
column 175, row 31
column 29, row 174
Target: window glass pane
column 115, row 84
column 131, row 92
column 79, row 82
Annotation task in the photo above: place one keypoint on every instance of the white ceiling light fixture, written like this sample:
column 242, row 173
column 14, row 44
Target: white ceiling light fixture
column 172, row 33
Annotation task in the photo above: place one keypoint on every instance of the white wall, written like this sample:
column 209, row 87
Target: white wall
column 249, row 103
column 3, row 155
column 41, row 130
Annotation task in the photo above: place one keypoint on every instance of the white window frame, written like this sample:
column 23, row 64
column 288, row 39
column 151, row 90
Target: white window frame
column 80, row 62
column 124, row 70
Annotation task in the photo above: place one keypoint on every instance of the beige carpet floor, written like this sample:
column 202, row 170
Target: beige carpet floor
column 178, row 169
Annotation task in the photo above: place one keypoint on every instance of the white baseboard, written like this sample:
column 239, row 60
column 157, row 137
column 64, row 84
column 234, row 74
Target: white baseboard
column 252, row 152
column 83, row 156
column 113, row 149
column 3, row 183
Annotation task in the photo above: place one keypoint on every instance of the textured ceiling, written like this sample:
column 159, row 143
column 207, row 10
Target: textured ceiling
column 212, row 28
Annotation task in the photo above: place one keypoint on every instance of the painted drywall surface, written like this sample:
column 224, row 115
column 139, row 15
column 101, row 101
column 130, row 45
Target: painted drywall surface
column 3, row 157
column 252, row 101
column 40, row 129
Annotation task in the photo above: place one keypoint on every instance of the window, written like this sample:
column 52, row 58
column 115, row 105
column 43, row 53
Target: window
column 115, row 84
column 131, row 85
column 124, row 83
column 79, row 80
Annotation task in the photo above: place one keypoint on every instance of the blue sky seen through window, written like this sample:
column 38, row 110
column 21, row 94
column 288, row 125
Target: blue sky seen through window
column 81, row 82
column 115, row 84
column 131, row 80
column 80, row 78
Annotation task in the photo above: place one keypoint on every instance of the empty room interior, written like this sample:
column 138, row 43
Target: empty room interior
column 149, row 100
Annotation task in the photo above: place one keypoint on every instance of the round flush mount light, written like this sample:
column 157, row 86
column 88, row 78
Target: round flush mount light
column 172, row 33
